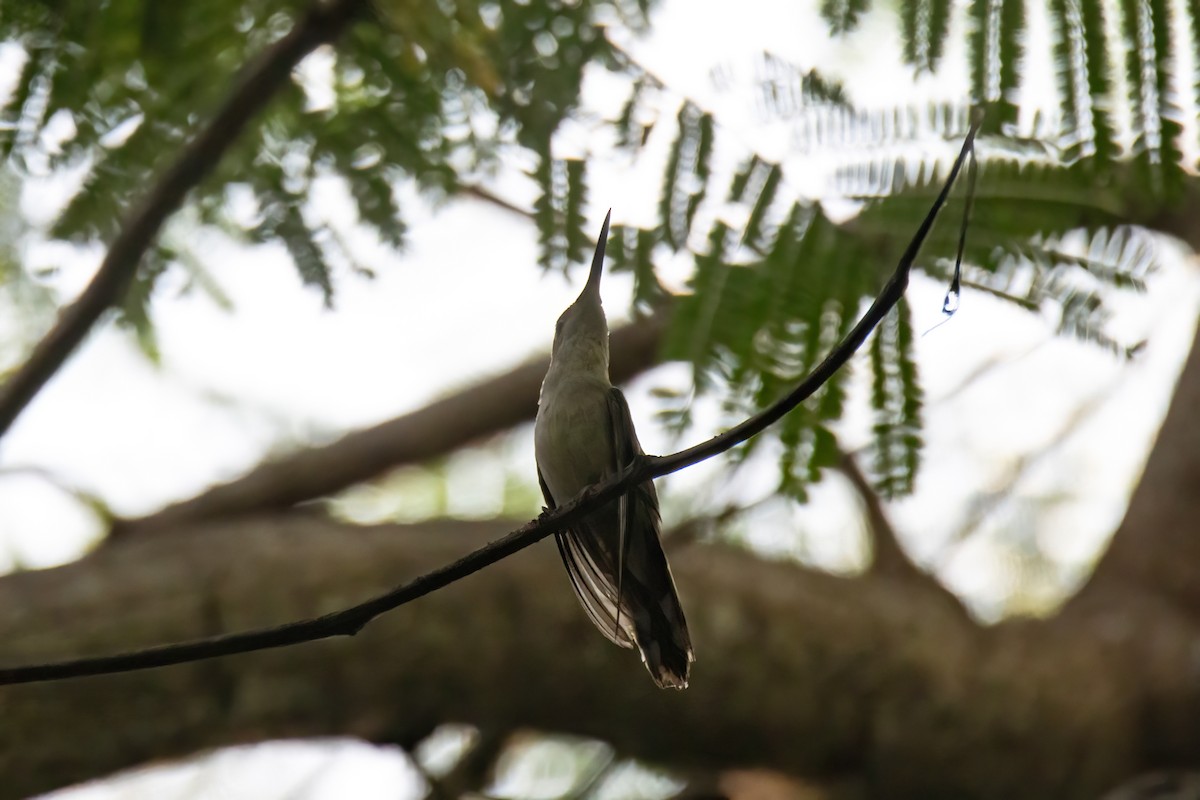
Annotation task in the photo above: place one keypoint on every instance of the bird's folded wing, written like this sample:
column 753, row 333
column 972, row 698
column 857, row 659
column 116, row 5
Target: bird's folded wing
column 596, row 592
column 624, row 447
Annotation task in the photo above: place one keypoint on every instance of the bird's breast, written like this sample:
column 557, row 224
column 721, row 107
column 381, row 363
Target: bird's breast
column 571, row 436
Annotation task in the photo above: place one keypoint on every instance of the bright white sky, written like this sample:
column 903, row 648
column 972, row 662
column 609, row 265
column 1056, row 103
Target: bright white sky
column 465, row 299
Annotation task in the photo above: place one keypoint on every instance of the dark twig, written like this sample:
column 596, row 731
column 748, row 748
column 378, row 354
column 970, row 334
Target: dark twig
column 322, row 23
column 350, row 621
column 889, row 557
column 488, row 196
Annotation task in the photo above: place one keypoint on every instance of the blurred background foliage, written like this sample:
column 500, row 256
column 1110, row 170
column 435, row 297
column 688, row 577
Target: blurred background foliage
column 442, row 94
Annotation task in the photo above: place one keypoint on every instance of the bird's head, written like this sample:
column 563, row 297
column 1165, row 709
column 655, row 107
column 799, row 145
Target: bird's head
column 581, row 334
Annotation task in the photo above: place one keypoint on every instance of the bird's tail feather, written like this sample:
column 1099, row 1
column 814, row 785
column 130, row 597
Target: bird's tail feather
column 665, row 644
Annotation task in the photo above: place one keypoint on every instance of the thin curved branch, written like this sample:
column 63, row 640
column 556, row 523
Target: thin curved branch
column 1155, row 549
column 322, row 23
column 350, row 621
column 892, row 291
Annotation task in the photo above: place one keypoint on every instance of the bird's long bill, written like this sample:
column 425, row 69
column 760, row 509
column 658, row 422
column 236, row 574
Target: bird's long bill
column 593, row 281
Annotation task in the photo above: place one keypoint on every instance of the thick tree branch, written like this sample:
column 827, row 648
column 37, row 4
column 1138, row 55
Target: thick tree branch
column 487, row 408
column 1156, row 549
column 322, row 23
column 350, row 621
column 798, row 671
column 888, row 557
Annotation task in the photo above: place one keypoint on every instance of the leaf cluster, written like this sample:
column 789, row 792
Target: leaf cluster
column 436, row 92
column 1057, row 224
column 424, row 90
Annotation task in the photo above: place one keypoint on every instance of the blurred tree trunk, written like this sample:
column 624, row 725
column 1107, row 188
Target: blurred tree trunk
column 876, row 677
column 798, row 671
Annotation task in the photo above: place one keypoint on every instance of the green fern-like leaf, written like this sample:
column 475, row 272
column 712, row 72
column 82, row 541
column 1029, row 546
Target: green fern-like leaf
column 376, row 200
column 785, row 90
column 579, row 241
column 631, row 133
column 1192, row 82
column 741, row 178
column 134, row 311
column 1099, row 87
column 691, row 337
column 924, row 27
column 754, row 329
column 558, row 212
column 982, row 56
column 860, row 131
column 306, row 254
column 997, row 28
column 550, row 178
column 685, row 180
column 1011, row 38
column 16, row 118
column 632, row 250
column 408, row 94
column 843, row 15
column 1171, row 159
column 1148, row 64
column 763, row 180
column 896, row 399
column 939, row 30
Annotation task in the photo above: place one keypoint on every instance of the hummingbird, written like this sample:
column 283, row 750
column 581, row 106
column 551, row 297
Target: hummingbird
column 583, row 434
